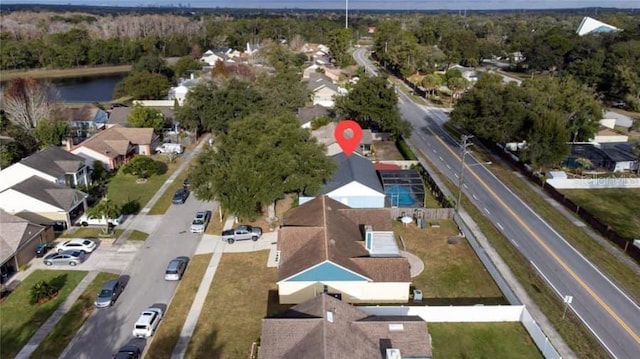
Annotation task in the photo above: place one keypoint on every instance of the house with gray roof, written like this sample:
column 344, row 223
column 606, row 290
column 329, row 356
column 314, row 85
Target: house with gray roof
column 84, row 121
column 325, row 327
column 307, row 114
column 43, row 199
column 18, row 241
column 352, row 253
column 322, row 89
column 120, row 116
column 355, row 183
column 52, row 164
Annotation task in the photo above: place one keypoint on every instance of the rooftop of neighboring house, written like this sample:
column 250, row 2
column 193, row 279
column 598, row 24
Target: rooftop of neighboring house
column 86, row 113
column 318, row 81
column 54, row 161
column 308, row 114
column 352, row 168
column 48, row 192
column 325, row 327
column 324, row 229
column 120, row 115
column 115, row 141
column 15, row 230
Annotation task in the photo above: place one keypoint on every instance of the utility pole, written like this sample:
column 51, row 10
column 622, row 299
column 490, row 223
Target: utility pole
column 463, row 147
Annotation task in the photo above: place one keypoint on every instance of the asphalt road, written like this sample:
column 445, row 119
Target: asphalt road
column 604, row 308
column 108, row 329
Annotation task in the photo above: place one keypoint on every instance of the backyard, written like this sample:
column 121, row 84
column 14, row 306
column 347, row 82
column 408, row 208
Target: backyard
column 481, row 340
column 616, row 207
column 453, row 274
column 20, row 320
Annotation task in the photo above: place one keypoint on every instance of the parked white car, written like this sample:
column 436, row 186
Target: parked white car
column 147, row 323
column 78, row 244
column 170, row 148
column 86, row 220
column 200, row 222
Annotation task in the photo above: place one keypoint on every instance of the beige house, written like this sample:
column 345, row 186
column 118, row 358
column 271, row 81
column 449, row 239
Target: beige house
column 116, row 145
column 328, row 247
column 18, row 241
column 325, row 327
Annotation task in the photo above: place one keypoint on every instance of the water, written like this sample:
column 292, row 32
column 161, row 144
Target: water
column 400, row 196
column 87, row 89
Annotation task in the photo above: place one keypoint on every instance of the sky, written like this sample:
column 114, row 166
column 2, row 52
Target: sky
column 353, row 4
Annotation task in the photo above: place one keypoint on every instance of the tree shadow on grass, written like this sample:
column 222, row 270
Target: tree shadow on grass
column 131, row 207
column 210, row 348
column 59, row 281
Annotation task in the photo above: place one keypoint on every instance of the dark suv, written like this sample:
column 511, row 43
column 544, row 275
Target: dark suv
column 180, row 196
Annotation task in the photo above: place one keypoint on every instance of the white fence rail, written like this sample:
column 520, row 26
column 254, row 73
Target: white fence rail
column 478, row 313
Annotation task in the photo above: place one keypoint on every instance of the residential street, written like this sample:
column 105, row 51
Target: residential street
column 604, row 308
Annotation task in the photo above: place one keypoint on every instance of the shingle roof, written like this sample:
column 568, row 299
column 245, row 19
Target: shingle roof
column 54, row 161
column 15, row 231
column 308, row 114
column 51, row 193
column 120, row 115
column 352, row 168
column 318, row 81
column 326, row 230
column 308, row 331
column 86, row 113
column 116, row 140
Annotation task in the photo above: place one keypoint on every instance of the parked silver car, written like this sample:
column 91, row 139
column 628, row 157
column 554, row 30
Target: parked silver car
column 176, row 268
column 109, row 293
column 70, row 257
column 200, row 222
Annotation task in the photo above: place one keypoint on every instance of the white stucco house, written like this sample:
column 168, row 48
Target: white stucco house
column 52, row 164
column 355, row 183
column 327, row 247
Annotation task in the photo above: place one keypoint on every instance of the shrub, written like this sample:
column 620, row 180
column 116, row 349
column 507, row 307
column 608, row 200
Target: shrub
column 42, row 291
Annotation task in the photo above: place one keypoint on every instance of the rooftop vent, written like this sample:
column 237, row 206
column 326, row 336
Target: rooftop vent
column 396, row 327
column 393, row 353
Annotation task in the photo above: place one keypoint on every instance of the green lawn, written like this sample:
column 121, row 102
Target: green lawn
column 164, row 202
column 453, row 274
column 90, row 232
column 137, row 235
column 133, row 196
column 232, row 315
column 616, row 207
column 62, row 334
column 20, row 320
column 481, row 340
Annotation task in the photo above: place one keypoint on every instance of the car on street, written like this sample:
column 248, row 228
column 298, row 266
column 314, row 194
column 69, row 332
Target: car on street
column 175, row 269
column 128, row 352
column 147, row 323
column 241, row 233
column 42, row 249
column 86, row 220
column 81, row 244
column 109, row 293
column 70, row 257
column 200, row 222
column 180, row 196
column 170, row 148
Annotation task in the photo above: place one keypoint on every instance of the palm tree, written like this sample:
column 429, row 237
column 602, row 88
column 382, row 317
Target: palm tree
column 106, row 209
column 584, row 163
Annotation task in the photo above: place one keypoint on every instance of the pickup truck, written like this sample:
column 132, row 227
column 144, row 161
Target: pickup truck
column 242, row 233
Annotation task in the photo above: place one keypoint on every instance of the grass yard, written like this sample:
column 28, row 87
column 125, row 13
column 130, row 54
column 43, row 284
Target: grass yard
column 62, row 334
column 125, row 191
column 20, row 320
column 215, row 225
column 168, row 333
column 617, row 207
column 90, row 232
column 230, row 320
column 164, row 202
column 137, row 235
column 482, row 340
column 453, row 274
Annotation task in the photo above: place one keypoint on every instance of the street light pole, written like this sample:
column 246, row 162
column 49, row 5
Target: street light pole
column 346, row 14
column 463, row 148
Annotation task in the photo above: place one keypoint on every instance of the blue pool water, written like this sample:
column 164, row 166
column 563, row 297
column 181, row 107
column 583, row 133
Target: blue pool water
column 400, row 196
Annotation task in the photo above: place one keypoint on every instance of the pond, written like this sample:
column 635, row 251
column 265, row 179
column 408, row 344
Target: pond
column 87, row 89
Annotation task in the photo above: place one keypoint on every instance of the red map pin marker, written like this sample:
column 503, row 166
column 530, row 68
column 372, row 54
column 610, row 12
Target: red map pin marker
column 348, row 135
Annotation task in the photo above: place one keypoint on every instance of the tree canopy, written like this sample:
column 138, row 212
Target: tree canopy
column 372, row 101
column 143, row 86
column 259, row 160
column 146, row 117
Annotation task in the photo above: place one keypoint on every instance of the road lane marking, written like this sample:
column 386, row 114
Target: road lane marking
column 486, row 210
column 455, row 174
column 498, row 224
column 441, row 159
column 465, row 186
column 474, row 196
column 434, row 151
column 546, row 248
column 449, row 167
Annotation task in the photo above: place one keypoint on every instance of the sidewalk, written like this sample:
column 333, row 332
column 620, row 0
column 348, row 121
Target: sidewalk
column 196, row 307
column 39, row 336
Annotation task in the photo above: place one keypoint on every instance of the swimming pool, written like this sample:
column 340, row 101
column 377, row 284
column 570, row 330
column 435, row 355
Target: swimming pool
column 401, row 196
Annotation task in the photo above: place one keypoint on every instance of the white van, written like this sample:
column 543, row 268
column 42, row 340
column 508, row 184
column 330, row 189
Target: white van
column 170, row 148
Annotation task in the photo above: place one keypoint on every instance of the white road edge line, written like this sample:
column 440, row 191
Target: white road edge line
column 499, row 225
